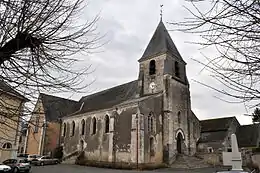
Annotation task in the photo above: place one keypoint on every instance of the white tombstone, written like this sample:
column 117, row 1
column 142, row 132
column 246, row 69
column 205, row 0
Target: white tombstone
column 233, row 158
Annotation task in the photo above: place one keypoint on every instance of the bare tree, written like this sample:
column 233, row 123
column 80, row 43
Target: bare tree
column 40, row 41
column 232, row 27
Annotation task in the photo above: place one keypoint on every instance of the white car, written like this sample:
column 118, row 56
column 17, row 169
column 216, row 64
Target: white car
column 5, row 168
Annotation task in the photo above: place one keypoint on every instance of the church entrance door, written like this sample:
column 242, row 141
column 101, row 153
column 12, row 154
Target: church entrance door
column 179, row 143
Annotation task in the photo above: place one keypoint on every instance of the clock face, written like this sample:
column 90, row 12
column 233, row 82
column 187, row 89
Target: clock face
column 152, row 85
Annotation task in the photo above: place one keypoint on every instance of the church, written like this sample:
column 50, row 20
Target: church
column 142, row 122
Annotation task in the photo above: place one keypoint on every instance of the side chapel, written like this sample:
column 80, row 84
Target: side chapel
column 148, row 120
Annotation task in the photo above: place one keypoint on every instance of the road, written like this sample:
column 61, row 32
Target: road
column 83, row 169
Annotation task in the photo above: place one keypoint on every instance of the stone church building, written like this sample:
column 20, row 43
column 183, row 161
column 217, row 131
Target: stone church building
column 145, row 121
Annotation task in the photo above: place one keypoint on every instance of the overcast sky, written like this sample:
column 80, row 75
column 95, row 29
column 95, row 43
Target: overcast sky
column 129, row 26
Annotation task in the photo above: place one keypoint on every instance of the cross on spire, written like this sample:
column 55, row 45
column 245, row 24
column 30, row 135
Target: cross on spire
column 161, row 13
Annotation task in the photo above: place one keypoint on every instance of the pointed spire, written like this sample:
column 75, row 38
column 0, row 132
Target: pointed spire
column 160, row 43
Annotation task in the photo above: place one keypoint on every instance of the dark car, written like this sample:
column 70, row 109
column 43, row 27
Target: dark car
column 23, row 155
column 18, row 165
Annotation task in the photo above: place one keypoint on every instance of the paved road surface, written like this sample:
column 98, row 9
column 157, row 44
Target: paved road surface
column 82, row 169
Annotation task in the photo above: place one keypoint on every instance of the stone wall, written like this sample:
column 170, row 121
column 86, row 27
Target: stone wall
column 112, row 146
column 214, row 159
column 256, row 159
column 145, row 79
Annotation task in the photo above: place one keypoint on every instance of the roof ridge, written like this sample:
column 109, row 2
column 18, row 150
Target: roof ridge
column 12, row 89
column 218, row 118
column 57, row 97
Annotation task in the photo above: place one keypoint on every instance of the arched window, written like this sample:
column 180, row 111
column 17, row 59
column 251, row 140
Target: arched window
column 7, row 145
column 194, row 129
column 150, row 122
column 151, row 146
column 177, row 69
column 73, row 129
column 82, row 127
column 64, row 129
column 179, row 117
column 106, row 124
column 94, row 126
column 152, row 67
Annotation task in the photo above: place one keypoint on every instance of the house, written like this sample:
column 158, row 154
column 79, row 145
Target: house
column 11, row 107
column 215, row 134
column 44, row 125
column 248, row 136
column 147, row 121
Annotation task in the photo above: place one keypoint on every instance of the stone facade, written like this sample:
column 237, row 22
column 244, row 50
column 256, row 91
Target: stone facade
column 147, row 121
column 11, row 108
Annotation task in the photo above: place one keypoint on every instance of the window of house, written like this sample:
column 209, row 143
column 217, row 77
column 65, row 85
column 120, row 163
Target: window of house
column 177, row 69
column 64, row 129
column 94, row 126
column 106, row 124
column 73, row 129
column 152, row 146
column 229, row 150
column 82, row 127
column 210, row 150
column 179, row 117
column 150, row 122
column 36, row 128
column 21, row 150
column 7, row 145
column 152, row 67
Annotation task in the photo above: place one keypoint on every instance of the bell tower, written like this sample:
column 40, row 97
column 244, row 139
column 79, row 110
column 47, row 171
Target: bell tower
column 160, row 59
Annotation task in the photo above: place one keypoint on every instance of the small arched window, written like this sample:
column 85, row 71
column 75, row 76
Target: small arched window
column 106, row 124
column 150, row 122
column 82, row 127
column 7, row 145
column 177, row 69
column 94, row 126
column 194, row 129
column 152, row 67
column 179, row 117
column 73, row 129
column 64, row 129
column 151, row 146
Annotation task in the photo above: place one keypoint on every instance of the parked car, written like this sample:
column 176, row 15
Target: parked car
column 32, row 157
column 28, row 157
column 45, row 160
column 5, row 168
column 18, row 165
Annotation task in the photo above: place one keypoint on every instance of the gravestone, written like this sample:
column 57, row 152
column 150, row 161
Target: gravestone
column 233, row 158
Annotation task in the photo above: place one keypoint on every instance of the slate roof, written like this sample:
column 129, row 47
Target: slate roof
column 248, row 135
column 9, row 89
column 160, row 42
column 212, row 136
column 218, row 124
column 57, row 107
column 108, row 98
